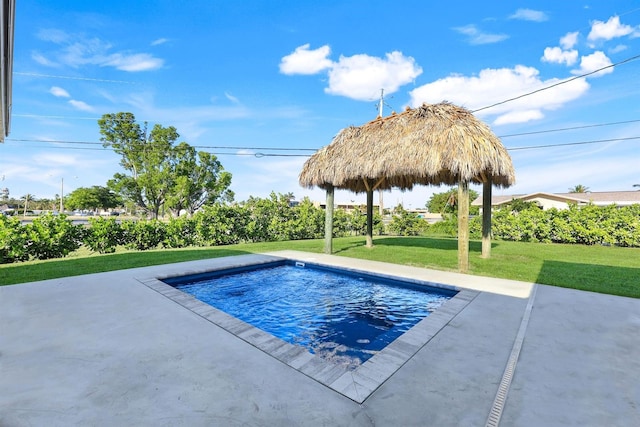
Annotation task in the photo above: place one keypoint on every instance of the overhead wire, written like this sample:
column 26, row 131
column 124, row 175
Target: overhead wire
column 231, row 147
column 260, row 154
column 91, row 79
column 624, row 61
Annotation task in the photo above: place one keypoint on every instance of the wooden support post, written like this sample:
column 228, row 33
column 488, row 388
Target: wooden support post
column 328, row 221
column 463, row 226
column 486, row 218
column 369, row 218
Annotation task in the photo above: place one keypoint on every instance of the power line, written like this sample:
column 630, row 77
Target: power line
column 214, row 147
column 257, row 154
column 569, row 128
column 263, row 154
column 74, row 78
column 231, row 147
column 557, row 84
column 597, row 141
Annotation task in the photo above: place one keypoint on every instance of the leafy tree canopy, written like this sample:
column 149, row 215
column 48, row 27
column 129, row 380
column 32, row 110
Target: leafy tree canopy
column 157, row 171
column 447, row 202
column 95, row 197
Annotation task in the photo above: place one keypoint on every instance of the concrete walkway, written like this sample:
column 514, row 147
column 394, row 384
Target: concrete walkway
column 107, row 349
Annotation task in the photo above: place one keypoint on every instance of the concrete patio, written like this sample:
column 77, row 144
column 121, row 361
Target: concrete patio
column 110, row 349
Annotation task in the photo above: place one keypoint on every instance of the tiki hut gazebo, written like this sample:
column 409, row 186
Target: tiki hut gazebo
column 429, row 145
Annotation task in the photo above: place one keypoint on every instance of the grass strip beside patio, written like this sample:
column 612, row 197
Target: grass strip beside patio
column 609, row 270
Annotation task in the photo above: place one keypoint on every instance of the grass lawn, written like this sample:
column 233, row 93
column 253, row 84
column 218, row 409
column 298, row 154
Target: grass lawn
column 610, row 270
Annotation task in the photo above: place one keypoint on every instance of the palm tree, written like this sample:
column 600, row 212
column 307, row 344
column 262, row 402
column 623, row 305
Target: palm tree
column 26, row 198
column 579, row 189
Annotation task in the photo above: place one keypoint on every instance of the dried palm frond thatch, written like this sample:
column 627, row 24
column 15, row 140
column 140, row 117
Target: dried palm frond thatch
column 432, row 144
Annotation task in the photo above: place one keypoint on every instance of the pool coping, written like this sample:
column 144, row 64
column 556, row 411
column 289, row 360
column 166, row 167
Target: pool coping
column 357, row 384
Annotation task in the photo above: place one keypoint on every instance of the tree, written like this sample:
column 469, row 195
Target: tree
column 447, row 202
column 27, row 197
column 93, row 198
column 579, row 189
column 200, row 180
column 157, row 172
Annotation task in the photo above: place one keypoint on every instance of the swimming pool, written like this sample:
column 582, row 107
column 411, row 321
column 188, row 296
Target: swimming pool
column 356, row 384
column 343, row 317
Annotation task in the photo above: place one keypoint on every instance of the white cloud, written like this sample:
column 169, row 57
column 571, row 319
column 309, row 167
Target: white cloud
column 618, row 48
column 569, row 40
column 53, row 160
column 77, row 50
column 609, row 30
column 159, row 41
column 362, row 76
column 359, row 76
column 53, row 35
column 595, row 61
column 491, row 86
column 519, row 117
column 59, row 92
column 232, row 98
column 42, row 60
column 306, row 61
column 476, row 36
column 529, row 15
column 81, row 105
column 133, row 62
column 549, row 172
column 559, row 56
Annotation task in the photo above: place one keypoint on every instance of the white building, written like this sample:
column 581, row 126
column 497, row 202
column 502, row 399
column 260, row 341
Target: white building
column 563, row 200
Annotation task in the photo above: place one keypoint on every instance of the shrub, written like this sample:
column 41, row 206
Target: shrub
column 13, row 240
column 180, row 233
column 220, row 225
column 53, row 236
column 340, row 223
column 104, row 235
column 405, row 223
column 143, row 235
column 447, row 227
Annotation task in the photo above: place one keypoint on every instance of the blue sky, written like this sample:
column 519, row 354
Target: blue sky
column 247, row 77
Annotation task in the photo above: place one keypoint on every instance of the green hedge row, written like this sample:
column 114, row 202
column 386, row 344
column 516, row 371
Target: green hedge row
column 587, row 225
column 46, row 237
column 272, row 219
column 257, row 220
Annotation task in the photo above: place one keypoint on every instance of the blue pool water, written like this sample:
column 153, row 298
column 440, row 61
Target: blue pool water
column 341, row 317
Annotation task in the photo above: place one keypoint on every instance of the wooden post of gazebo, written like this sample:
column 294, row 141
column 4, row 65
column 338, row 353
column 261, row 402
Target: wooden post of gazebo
column 328, row 221
column 463, row 226
column 369, row 218
column 486, row 218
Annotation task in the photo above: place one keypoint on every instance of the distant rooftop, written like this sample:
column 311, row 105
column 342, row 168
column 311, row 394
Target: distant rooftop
column 595, row 197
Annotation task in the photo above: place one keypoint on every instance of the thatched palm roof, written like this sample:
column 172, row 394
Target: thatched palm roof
column 433, row 144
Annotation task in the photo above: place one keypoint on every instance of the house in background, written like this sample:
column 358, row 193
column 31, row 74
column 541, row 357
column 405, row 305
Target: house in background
column 563, row 200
